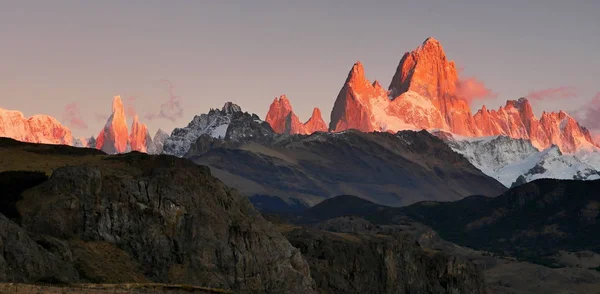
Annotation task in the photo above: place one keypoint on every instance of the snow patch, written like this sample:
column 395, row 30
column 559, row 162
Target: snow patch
column 220, row 131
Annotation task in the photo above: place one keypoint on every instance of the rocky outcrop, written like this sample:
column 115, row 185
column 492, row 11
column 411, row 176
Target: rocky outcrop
column 283, row 120
column 315, row 123
column 140, row 218
column 36, row 129
column 114, row 137
column 139, row 138
column 365, row 263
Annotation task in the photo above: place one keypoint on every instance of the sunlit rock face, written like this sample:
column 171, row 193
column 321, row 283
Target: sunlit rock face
column 114, row 137
column 282, row 119
column 139, row 138
column 35, row 129
column 425, row 94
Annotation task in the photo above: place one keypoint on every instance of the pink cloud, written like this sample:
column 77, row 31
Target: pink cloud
column 171, row 109
column 99, row 117
column 553, row 93
column 472, row 89
column 589, row 117
column 72, row 116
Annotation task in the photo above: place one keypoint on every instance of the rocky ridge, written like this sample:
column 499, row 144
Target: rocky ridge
column 426, row 93
column 282, row 119
column 229, row 123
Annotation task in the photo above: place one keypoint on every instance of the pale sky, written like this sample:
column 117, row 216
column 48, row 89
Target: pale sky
column 59, row 52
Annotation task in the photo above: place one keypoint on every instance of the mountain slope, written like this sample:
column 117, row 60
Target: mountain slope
column 516, row 160
column 531, row 220
column 394, row 169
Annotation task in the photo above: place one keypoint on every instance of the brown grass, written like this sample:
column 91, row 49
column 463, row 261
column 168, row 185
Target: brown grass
column 106, row 288
column 15, row 159
column 102, row 262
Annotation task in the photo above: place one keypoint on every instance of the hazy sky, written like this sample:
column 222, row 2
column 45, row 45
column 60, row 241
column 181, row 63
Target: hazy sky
column 55, row 53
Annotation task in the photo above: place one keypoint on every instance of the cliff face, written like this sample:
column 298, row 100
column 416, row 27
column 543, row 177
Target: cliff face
column 427, row 72
column 138, row 218
column 364, row 263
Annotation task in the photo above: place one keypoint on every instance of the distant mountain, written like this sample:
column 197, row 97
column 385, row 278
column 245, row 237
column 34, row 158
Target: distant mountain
column 36, row 129
column 530, row 221
column 114, row 137
column 394, row 169
column 227, row 123
column 516, row 161
column 426, row 93
column 282, row 119
column 158, row 141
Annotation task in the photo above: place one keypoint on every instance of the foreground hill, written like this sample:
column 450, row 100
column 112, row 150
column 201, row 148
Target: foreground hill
column 136, row 220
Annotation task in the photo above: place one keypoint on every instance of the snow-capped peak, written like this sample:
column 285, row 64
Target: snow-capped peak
column 228, row 122
column 507, row 159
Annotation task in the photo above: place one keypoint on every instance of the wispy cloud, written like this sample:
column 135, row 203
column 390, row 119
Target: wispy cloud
column 171, row 109
column 553, row 93
column 99, row 117
column 589, row 116
column 72, row 116
column 129, row 104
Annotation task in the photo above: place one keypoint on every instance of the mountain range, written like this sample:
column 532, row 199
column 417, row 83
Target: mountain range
column 509, row 144
column 427, row 93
